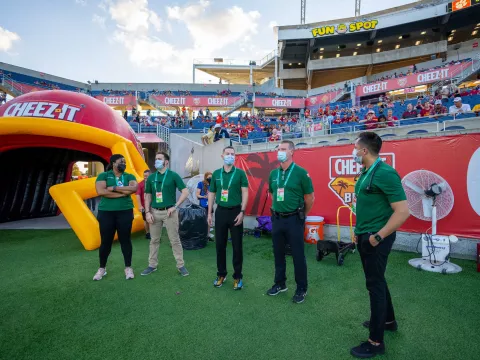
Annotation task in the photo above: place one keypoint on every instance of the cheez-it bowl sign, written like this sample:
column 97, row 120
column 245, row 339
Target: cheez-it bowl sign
column 343, row 174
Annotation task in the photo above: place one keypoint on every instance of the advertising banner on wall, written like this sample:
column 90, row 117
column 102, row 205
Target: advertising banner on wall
column 322, row 99
column 279, row 103
column 128, row 100
column 421, row 78
column 195, row 101
column 332, row 169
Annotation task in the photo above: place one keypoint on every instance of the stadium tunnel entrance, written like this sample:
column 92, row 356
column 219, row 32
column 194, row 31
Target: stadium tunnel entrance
column 31, row 173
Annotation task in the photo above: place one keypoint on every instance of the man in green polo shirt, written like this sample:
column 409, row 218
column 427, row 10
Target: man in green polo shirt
column 381, row 208
column 292, row 193
column 161, row 207
column 229, row 189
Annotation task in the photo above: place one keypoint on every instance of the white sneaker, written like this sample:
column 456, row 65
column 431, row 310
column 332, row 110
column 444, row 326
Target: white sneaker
column 129, row 273
column 101, row 272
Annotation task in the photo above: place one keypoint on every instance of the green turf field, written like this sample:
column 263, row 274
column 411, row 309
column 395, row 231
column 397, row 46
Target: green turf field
column 51, row 309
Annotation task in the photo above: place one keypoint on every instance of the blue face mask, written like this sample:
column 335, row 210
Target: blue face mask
column 229, row 159
column 282, row 156
column 159, row 164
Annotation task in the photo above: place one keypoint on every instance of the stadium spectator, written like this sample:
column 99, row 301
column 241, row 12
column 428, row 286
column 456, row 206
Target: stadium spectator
column 458, row 107
column 219, row 118
column 275, row 135
column 439, row 109
column 382, row 122
column 390, row 117
column 410, row 112
column 207, row 139
column 220, row 133
column 370, row 120
column 427, row 109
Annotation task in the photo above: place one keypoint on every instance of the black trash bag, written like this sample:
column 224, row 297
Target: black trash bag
column 193, row 229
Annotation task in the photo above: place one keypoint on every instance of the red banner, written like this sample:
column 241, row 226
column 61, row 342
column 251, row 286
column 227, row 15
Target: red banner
column 195, row 101
column 332, row 169
column 128, row 100
column 291, row 103
column 322, row 99
column 421, row 78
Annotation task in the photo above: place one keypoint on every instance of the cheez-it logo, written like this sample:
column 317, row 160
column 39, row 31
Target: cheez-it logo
column 43, row 109
column 344, row 170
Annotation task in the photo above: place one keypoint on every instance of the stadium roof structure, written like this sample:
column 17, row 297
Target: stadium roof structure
column 372, row 43
column 238, row 71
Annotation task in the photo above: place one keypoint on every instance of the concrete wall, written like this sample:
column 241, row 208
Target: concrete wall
column 379, row 58
column 48, row 77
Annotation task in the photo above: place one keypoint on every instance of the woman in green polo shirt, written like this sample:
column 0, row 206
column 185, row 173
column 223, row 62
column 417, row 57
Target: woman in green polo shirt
column 115, row 212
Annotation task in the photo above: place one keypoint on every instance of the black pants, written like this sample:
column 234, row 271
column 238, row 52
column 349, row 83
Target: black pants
column 111, row 222
column 224, row 221
column 289, row 230
column 374, row 262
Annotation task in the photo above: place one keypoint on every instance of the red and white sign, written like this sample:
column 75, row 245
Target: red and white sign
column 412, row 80
column 460, row 4
column 322, row 99
column 195, row 101
column 455, row 158
column 128, row 100
column 42, row 109
column 291, row 103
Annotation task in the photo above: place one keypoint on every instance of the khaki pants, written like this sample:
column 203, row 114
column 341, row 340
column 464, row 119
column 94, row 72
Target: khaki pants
column 171, row 224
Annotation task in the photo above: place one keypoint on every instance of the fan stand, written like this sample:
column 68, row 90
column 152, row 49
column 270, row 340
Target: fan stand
column 425, row 263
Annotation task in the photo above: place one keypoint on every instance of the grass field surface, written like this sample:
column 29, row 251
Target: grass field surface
column 51, row 309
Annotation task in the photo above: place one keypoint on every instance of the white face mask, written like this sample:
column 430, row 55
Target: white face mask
column 357, row 158
column 159, row 164
column 282, row 156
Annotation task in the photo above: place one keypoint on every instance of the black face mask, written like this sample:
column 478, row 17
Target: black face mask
column 121, row 167
column 208, row 180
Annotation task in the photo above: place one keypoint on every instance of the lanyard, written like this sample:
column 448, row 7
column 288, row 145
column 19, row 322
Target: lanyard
column 360, row 183
column 163, row 182
column 230, row 182
column 118, row 178
column 288, row 177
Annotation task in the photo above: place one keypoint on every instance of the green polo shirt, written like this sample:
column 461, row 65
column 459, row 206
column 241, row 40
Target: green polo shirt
column 373, row 210
column 239, row 181
column 171, row 182
column 298, row 185
column 115, row 204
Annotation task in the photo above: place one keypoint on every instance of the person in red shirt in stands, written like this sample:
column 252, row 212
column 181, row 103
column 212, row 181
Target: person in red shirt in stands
column 370, row 120
column 337, row 120
column 390, row 118
column 427, row 109
column 410, row 112
column 219, row 118
column 275, row 135
column 439, row 109
column 345, row 118
column 307, row 113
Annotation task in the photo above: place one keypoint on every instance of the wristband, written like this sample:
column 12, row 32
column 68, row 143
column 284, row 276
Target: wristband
column 114, row 188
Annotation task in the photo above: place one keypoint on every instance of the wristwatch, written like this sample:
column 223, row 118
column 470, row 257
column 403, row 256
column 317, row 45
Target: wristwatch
column 114, row 188
column 242, row 211
column 378, row 238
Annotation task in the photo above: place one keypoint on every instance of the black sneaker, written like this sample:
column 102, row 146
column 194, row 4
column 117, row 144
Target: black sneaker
column 276, row 289
column 367, row 350
column 299, row 296
column 388, row 327
column 147, row 236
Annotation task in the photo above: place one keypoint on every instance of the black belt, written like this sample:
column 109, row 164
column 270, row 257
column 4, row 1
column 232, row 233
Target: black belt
column 162, row 208
column 284, row 214
column 230, row 207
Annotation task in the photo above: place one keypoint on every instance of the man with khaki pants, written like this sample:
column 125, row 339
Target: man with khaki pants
column 161, row 207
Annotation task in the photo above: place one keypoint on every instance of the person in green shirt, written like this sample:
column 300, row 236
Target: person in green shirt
column 229, row 189
column 381, row 208
column 292, row 193
column 115, row 212
column 161, row 207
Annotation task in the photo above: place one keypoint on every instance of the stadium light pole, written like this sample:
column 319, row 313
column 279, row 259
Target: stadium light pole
column 303, row 4
column 357, row 7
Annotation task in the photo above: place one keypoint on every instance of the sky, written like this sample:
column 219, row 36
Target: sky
column 152, row 41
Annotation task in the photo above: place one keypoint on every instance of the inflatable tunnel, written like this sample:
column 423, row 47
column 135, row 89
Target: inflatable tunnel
column 42, row 134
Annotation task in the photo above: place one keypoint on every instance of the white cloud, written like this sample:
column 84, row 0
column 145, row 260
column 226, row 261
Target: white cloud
column 210, row 31
column 81, row 2
column 7, row 38
column 272, row 24
column 99, row 20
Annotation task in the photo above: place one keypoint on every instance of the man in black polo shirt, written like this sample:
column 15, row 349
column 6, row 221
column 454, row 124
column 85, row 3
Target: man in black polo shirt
column 161, row 207
column 292, row 193
column 229, row 189
column 381, row 208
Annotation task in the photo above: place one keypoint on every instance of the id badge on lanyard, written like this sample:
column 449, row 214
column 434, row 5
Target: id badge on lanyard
column 224, row 196
column 119, row 183
column 280, row 194
column 281, row 190
column 159, row 196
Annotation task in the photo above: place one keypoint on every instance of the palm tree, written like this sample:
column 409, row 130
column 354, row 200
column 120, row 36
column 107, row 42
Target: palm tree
column 342, row 186
column 261, row 172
